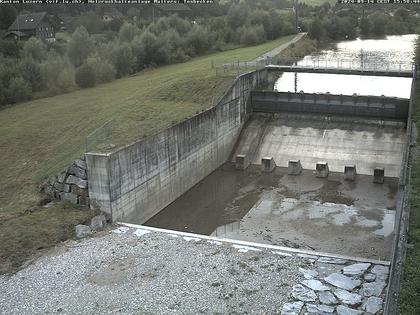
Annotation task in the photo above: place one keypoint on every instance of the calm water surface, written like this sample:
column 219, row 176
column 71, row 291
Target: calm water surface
column 393, row 52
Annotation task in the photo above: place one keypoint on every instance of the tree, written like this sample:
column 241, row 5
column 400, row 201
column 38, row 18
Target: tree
column 34, row 48
column 127, row 32
column 80, row 46
column 379, row 23
column 7, row 16
column 123, row 59
column 85, row 76
column 316, row 30
column 365, row 26
column 237, row 15
column 199, row 39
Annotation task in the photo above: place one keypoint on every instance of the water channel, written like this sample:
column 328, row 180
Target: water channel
column 328, row 215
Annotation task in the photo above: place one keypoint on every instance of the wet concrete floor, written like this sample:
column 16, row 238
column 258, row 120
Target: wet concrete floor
column 329, row 215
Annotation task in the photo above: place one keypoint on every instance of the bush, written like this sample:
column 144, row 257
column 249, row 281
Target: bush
column 85, row 76
column 104, row 70
column 34, row 48
column 127, row 32
column 31, row 72
column 10, row 48
column 19, row 90
column 58, row 74
column 252, row 35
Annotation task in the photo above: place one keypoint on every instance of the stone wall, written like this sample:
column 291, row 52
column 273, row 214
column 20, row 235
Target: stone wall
column 134, row 183
column 70, row 185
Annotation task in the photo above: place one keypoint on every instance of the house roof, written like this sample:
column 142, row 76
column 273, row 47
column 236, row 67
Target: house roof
column 16, row 33
column 27, row 21
column 172, row 7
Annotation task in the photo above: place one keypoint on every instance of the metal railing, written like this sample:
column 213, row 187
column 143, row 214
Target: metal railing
column 238, row 67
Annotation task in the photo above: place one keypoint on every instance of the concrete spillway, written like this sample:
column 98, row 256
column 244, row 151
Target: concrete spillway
column 340, row 141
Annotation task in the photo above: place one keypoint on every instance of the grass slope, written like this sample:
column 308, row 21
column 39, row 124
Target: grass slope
column 40, row 137
column 410, row 284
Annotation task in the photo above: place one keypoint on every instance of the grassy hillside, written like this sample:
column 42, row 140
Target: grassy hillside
column 40, row 137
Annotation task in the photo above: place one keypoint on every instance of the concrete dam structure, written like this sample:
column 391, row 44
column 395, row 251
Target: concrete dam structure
column 317, row 173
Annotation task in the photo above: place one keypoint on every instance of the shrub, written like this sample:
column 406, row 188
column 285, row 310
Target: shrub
column 58, row 74
column 10, row 48
column 34, row 48
column 85, row 76
column 104, row 70
column 19, row 90
column 127, row 32
column 31, row 72
column 252, row 35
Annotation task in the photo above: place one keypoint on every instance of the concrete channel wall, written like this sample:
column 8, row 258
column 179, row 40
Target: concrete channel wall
column 366, row 106
column 139, row 180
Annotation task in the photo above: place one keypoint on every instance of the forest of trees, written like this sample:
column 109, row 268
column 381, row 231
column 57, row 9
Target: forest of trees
column 95, row 52
column 94, row 55
column 349, row 24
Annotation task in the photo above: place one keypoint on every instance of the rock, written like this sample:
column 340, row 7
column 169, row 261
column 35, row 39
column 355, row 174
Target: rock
column 81, row 164
column 330, row 260
column 369, row 277
column 340, row 281
column 79, row 191
column 347, row 297
column 319, row 309
column 73, row 180
column 67, row 188
column 82, row 231
column 292, row 308
column 308, row 274
column 98, row 223
column 304, row 294
column 343, row 310
column 381, row 272
column 372, row 305
column 83, row 201
column 61, row 177
column 59, row 186
column 356, row 269
column 315, row 285
column 326, row 297
column 78, row 172
column 69, row 197
column 49, row 190
column 373, row 288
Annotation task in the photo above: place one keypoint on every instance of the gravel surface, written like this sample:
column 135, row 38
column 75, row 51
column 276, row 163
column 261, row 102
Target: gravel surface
column 132, row 270
column 150, row 273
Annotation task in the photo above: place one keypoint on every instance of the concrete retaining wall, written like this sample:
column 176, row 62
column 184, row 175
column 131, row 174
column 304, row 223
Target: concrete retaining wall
column 366, row 106
column 137, row 181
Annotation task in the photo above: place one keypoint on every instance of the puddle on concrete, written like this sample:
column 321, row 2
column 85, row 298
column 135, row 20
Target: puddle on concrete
column 293, row 211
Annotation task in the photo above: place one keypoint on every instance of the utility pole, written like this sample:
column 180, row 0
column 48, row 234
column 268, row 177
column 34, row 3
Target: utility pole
column 296, row 16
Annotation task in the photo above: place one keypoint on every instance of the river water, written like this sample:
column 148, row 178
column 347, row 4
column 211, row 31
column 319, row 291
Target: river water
column 393, row 53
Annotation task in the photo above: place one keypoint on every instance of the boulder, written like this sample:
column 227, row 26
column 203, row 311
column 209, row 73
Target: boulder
column 82, row 231
column 78, row 172
column 73, row 180
column 61, row 177
column 69, row 197
column 81, row 164
column 292, row 308
column 98, row 223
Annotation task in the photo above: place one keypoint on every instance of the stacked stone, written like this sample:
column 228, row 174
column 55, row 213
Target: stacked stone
column 71, row 185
